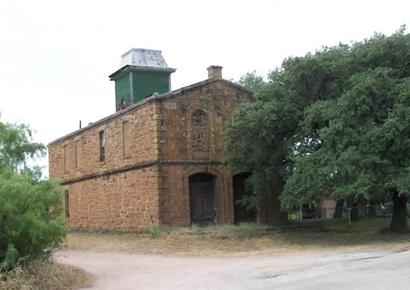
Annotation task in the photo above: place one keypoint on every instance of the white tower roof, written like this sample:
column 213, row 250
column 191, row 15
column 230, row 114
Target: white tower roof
column 143, row 58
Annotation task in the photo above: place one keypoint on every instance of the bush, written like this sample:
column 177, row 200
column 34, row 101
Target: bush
column 30, row 218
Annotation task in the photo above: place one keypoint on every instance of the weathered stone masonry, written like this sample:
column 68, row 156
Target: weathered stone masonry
column 162, row 162
column 120, row 193
column 150, row 185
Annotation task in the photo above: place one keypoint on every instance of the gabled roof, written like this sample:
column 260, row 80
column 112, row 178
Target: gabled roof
column 155, row 96
column 198, row 85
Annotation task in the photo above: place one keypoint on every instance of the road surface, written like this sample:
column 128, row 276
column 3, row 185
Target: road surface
column 312, row 270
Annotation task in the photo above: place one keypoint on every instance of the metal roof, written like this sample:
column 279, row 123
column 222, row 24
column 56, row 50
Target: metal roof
column 143, row 57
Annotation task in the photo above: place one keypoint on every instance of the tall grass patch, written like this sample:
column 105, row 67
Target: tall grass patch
column 44, row 275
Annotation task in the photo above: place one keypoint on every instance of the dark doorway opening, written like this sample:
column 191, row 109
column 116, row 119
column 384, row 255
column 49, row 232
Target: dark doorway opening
column 202, row 198
column 242, row 213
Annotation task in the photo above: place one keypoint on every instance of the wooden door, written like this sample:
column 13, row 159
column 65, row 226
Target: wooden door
column 202, row 199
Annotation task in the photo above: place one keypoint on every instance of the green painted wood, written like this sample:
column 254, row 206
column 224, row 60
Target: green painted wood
column 122, row 90
column 143, row 84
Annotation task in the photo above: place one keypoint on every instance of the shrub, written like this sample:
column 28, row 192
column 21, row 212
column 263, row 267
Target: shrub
column 30, row 218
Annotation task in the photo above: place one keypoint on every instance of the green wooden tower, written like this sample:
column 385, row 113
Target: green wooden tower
column 142, row 73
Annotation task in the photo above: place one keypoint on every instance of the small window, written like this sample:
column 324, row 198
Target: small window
column 66, row 204
column 102, row 146
column 126, row 138
column 65, row 158
column 77, row 153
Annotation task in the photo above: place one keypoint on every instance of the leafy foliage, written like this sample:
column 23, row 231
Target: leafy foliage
column 30, row 208
column 16, row 146
column 335, row 123
column 257, row 142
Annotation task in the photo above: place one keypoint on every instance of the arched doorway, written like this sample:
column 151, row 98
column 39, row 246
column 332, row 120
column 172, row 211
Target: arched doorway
column 202, row 198
column 242, row 213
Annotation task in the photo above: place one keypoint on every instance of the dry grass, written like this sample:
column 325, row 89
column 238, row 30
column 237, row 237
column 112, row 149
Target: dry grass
column 44, row 275
column 229, row 239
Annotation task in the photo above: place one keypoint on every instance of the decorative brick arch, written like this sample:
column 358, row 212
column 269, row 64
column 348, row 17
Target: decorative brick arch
column 203, row 169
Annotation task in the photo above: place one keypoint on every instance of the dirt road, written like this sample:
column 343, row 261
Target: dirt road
column 314, row 270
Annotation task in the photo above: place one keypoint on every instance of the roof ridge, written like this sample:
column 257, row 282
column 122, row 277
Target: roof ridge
column 146, row 101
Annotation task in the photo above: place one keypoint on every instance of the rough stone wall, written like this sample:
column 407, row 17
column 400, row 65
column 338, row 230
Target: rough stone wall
column 109, row 194
column 143, row 145
column 123, row 202
column 218, row 100
column 151, row 184
column 174, row 200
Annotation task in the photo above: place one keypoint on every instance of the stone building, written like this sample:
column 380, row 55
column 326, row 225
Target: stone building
column 159, row 158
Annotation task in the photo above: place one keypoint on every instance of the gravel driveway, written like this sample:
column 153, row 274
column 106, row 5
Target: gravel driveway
column 313, row 270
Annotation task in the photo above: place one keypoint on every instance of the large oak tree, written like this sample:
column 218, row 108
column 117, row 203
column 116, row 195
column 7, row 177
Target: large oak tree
column 333, row 123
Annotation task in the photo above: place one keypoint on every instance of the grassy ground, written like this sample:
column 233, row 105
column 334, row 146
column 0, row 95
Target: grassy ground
column 309, row 235
column 44, row 275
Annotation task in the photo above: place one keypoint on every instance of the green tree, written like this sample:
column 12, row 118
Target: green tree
column 347, row 125
column 261, row 136
column 30, row 208
column 253, row 83
column 16, row 147
column 256, row 141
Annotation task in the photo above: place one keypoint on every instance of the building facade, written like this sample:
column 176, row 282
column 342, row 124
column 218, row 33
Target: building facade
column 158, row 159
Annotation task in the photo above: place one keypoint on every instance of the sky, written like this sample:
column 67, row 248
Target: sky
column 56, row 55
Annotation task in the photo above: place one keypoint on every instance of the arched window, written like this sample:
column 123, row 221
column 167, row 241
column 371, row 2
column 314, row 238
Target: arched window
column 200, row 135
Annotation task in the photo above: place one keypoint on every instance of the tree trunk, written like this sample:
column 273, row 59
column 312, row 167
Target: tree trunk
column 399, row 218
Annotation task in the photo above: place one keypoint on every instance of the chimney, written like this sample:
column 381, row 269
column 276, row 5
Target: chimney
column 214, row 72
